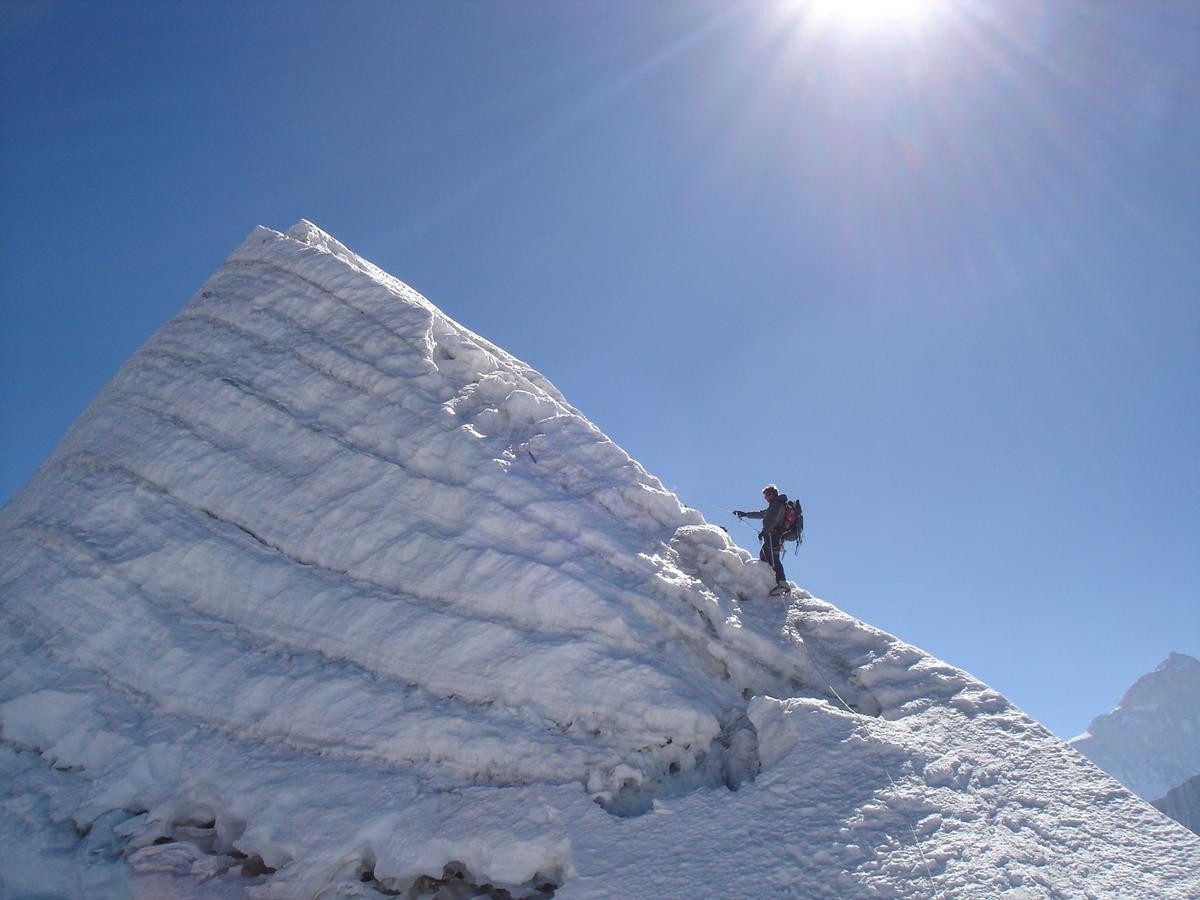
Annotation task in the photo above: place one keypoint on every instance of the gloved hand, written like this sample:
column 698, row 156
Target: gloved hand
column 738, row 513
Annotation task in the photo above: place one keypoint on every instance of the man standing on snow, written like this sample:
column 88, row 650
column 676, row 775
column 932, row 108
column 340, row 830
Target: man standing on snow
column 773, row 519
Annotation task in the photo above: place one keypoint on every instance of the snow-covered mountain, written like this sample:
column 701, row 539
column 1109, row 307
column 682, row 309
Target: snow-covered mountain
column 1151, row 741
column 326, row 596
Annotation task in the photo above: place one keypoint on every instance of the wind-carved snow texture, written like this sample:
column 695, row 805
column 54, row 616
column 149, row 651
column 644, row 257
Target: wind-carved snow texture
column 327, row 596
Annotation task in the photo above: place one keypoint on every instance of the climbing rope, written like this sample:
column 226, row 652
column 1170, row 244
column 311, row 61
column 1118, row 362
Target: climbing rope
column 891, row 780
column 895, row 787
column 706, row 505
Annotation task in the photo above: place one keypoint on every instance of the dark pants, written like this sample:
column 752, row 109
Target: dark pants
column 770, row 554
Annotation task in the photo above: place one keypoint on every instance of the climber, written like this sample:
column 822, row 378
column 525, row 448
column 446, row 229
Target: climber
column 774, row 524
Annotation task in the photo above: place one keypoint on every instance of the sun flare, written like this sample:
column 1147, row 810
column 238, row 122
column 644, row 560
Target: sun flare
column 871, row 12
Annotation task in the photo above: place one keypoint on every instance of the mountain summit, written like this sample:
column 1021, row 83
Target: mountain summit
column 326, row 596
column 1151, row 741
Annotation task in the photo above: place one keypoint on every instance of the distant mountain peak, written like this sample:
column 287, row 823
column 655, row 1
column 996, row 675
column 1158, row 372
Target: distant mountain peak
column 1179, row 662
column 1176, row 677
column 1149, row 741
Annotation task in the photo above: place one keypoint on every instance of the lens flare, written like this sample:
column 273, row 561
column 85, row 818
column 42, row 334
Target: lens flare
column 865, row 13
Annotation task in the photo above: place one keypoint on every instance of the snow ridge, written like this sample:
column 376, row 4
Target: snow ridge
column 325, row 595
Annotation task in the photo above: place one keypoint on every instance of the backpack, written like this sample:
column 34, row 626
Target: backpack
column 793, row 522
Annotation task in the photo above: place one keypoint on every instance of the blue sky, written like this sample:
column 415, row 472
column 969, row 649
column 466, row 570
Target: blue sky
column 935, row 275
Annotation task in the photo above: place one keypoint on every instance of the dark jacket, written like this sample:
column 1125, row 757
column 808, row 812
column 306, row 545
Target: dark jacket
column 772, row 516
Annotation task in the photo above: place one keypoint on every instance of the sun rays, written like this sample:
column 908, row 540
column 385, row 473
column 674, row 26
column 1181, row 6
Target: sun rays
column 871, row 13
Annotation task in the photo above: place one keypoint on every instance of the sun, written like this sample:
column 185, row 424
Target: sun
column 871, row 13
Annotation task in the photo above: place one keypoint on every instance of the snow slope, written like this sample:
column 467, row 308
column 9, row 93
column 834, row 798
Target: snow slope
column 325, row 595
column 1151, row 741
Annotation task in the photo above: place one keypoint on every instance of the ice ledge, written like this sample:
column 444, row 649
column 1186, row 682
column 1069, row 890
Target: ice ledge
column 308, row 233
column 266, row 244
